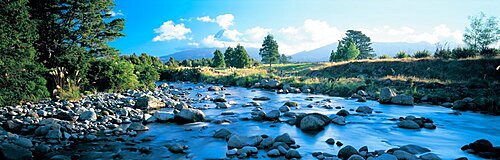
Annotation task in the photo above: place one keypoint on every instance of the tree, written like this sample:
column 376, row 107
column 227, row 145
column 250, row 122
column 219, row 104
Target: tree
column 71, row 33
column 218, row 59
column 422, row 54
column 284, row 59
column 242, row 59
column 229, row 57
column 20, row 74
column 269, row 51
column 187, row 63
column 482, row 32
column 172, row 63
column 362, row 43
column 346, row 50
column 402, row 54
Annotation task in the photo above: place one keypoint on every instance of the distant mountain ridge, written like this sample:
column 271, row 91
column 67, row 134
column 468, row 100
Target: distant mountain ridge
column 199, row 53
column 316, row 55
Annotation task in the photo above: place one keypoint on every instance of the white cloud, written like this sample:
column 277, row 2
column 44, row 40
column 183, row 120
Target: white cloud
column 193, row 44
column 169, row 31
column 223, row 20
column 440, row 33
column 113, row 13
column 257, row 33
column 232, row 35
column 204, row 19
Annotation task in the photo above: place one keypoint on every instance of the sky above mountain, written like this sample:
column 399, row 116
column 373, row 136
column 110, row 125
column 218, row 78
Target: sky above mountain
column 159, row 27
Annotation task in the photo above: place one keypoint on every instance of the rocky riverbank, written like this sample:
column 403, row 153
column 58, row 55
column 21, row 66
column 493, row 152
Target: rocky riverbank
column 112, row 122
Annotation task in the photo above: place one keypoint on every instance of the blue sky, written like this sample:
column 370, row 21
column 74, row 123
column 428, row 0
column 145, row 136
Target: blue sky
column 161, row 27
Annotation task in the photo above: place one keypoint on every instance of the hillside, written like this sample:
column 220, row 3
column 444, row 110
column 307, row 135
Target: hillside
column 390, row 48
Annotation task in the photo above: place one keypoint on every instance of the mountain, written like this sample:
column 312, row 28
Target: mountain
column 380, row 48
column 199, row 53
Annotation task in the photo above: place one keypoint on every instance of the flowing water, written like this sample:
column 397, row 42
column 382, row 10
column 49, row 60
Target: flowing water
column 374, row 130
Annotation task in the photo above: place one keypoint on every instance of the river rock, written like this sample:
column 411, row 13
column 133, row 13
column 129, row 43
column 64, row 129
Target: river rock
column 292, row 153
column 400, row 154
column 189, row 116
column 464, row 104
column 356, row 157
column 330, row 141
column 402, row 100
column 285, row 138
column 23, row 142
column 414, row 149
column 88, row 116
column 408, row 124
column 291, row 104
column 163, row 116
column 481, row 145
column 137, row 126
column 273, row 153
column 267, row 142
column 429, row 156
column 312, row 122
column 386, row 156
column 148, row 102
column 339, row 120
column 284, row 109
column 60, row 157
column 273, row 115
column 54, row 134
column 177, row 148
column 347, row 152
column 236, row 141
column 364, row 109
column 343, row 113
column 14, row 152
column 223, row 105
column 231, row 152
column 386, row 94
column 247, row 150
column 252, row 140
column 214, row 88
column 262, row 98
column 220, row 98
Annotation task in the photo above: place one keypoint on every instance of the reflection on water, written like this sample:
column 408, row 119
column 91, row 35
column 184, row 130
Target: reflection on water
column 373, row 130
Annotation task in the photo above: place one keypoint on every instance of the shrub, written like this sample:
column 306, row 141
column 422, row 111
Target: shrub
column 490, row 52
column 443, row 53
column 401, row 54
column 384, row 56
column 463, row 53
column 422, row 54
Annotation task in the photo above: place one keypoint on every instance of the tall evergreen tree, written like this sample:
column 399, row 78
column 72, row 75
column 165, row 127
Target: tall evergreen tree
column 229, row 57
column 362, row 43
column 269, row 51
column 242, row 59
column 20, row 78
column 346, row 50
column 218, row 59
column 172, row 63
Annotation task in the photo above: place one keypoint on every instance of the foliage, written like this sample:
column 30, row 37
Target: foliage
column 241, row 57
column 187, row 63
column 172, row 63
column 20, row 74
column 422, row 54
column 229, row 57
column 346, row 50
column 482, row 32
column 284, row 59
column 459, row 52
column 362, row 43
column 490, row 52
column 112, row 74
column 442, row 52
column 384, row 56
column 269, row 51
column 218, row 59
column 402, row 54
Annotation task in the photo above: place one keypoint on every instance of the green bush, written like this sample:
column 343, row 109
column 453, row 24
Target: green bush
column 490, row 52
column 384, row 56
column 459, row 52
column 402, row 54
column 422, row 54
column 108, row 74
column 443, row 53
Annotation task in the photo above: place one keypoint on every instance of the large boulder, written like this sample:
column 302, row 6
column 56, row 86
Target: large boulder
column 273, row 115
column 163, row 116
column 400, row 154
column 14, row 152
column 402, row 99
column 464, row 104
column 429, row 156
column 338, row 120
column 292, row 153
column 285, row 138
column 481, row 145
column 222, row 133
column 88, row 116
column 343, row 113
column 148, row 102
column 236, row 141
column 386, row 94
column 189, row 116
column 312, row 122
column 408, row 124
column 223, row 105
column 347, row 152
column 414, row 149
column 356, row 157
column 364, row 109
column 137, row 126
